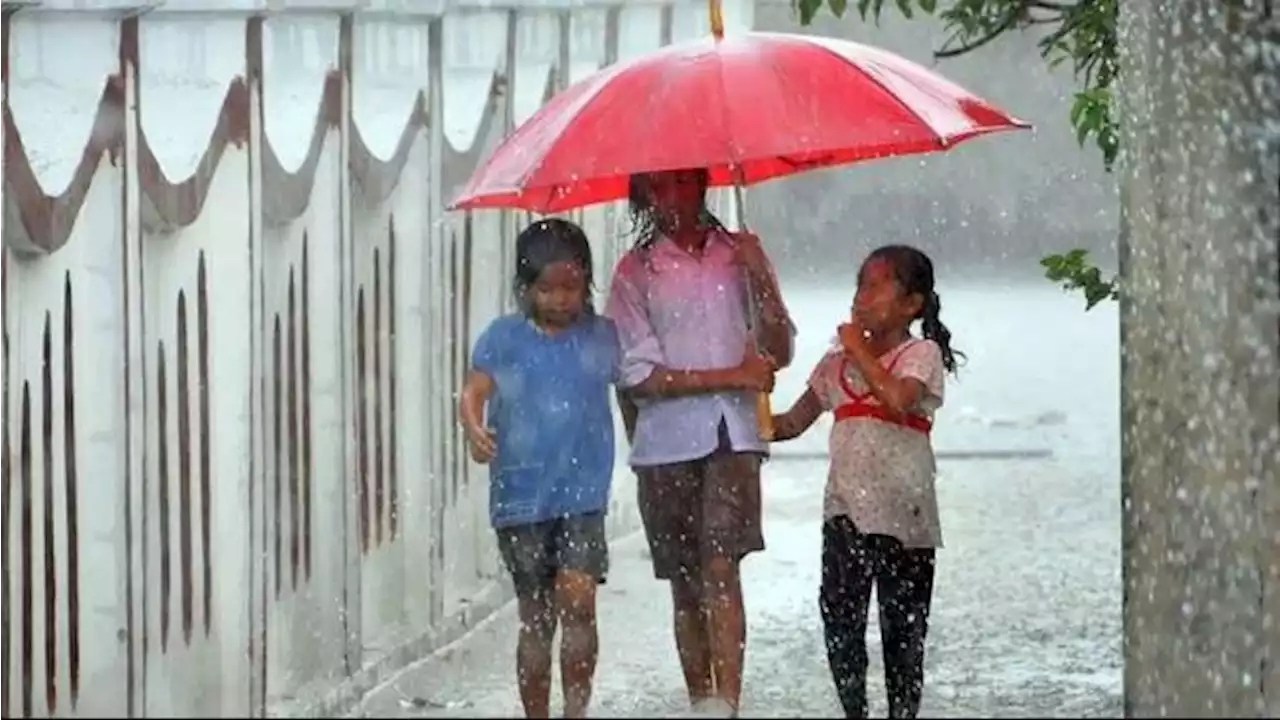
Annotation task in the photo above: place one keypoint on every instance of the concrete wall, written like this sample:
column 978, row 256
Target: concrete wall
column 1200, row 317
column 236, row 317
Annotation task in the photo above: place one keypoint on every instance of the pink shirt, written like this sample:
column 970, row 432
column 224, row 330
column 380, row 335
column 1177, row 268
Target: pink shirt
column 683, row 312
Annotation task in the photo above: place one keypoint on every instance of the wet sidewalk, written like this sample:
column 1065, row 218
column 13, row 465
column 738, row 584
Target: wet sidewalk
column 1026, row 615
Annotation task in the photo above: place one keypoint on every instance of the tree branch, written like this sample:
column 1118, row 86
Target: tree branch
column 1010, row 20
column 1014, row 15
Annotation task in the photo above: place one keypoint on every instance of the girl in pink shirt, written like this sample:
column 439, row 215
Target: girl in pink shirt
column 881, row 513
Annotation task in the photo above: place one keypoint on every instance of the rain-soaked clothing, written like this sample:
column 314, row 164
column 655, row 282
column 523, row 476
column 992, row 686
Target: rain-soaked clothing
column 686, row 313
column 551, row 413
column 701, row 509
column 535, row 552
column 882, row 468
column 881, row 525
column 903, row 577
column 697, row 457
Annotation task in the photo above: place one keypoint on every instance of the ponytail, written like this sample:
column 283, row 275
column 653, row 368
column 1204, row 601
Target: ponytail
column 932, row 328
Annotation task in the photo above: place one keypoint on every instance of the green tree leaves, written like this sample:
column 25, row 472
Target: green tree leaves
column 1075, row 272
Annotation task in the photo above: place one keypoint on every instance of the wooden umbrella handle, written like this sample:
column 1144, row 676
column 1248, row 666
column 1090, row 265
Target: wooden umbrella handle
column 764, row 407
column 764, row 416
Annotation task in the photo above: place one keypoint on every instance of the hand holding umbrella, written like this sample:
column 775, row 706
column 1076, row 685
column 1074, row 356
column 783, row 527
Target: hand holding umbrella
column 757, row 370
column 758, row 273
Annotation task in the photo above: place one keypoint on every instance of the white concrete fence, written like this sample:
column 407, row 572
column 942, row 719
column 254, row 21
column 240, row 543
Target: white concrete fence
column 236, row 316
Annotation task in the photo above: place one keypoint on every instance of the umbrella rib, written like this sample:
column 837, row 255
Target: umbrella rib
column 724, row 93
column 582, row 103
column 606, row 77
column 943, row 141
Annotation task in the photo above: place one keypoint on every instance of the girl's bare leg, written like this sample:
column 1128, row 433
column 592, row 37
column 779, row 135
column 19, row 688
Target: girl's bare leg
column 533, row 652
column 727, row 628
column 692, row 644
column 579, row 640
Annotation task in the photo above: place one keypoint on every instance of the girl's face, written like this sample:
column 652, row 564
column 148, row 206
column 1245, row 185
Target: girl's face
column 678, row 194
column 880, row 304
column 559, row 294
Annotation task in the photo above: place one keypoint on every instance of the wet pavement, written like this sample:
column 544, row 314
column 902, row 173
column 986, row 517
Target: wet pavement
column 1026, row 618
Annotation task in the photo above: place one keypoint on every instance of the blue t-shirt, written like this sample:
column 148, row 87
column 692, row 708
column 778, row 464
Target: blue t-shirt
column 551, row 414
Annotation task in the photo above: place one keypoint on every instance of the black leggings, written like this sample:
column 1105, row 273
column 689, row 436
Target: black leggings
column 851, row 562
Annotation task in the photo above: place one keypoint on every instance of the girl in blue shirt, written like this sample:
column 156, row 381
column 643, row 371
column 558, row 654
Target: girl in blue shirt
column 536, row 410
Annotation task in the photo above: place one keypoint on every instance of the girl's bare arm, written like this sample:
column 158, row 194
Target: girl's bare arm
column 627, row 406
column 475, row 393
column 775, row 325
column 802, row 415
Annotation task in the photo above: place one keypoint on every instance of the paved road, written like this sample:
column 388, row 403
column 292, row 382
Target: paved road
column 1026, row 620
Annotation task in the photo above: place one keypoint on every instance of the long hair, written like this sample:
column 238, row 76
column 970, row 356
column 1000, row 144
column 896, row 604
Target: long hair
column 546, row 242
column 914, row 272
column 647, row 219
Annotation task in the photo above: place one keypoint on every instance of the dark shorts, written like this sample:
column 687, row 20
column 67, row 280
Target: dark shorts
column 701, row 509
column 535, row 552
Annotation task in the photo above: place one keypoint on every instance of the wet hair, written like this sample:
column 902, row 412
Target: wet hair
column 544, row 243
column 914, row 272
column 645, row 216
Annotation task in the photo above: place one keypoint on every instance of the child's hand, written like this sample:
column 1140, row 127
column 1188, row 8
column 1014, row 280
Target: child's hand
column 853, row 338
column 483, row 443
column 756, row 371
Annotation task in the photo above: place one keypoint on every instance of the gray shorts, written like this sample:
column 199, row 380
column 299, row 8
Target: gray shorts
column 535, row 552
column 704, row 508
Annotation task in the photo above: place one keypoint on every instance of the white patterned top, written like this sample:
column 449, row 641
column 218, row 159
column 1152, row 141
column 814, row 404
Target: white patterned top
column 882, row 473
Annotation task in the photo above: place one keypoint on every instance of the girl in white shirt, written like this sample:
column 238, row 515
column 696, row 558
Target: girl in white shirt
column 881, row 513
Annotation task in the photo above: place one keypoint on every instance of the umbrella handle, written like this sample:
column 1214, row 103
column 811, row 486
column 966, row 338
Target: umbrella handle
column 764, row 408
column 764, row 404
column 764, row 416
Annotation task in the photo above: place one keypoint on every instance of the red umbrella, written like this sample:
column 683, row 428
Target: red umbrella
column 749, row 108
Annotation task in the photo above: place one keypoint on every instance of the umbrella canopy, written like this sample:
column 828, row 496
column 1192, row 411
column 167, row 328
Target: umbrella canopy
column 749, row 108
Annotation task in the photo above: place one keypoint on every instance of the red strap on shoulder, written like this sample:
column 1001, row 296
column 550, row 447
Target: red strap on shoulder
column 864, row 405
column 893, row 362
